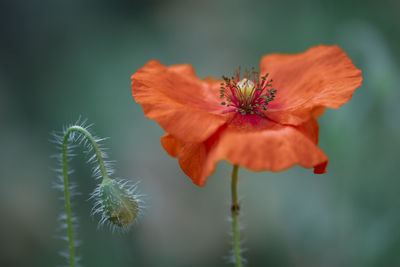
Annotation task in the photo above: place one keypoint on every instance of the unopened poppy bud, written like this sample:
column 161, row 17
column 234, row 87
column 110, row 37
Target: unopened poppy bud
column 119, row 205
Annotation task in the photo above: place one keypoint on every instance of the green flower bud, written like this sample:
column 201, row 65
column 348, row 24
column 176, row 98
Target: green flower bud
column 117, row 204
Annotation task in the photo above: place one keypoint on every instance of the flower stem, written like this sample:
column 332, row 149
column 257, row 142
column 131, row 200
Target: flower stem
column 103, row 170
column 235, row 213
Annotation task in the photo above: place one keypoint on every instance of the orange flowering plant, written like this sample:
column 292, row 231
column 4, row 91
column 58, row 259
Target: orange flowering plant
column 260, row 121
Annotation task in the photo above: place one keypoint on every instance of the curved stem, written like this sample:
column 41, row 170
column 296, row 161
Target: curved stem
column 235, row 213
column 103, row 170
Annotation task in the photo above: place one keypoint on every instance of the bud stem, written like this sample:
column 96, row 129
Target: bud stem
column 103, row 170
column 235, row 213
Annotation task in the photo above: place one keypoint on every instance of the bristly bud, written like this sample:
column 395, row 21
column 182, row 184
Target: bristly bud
column 118, row 205
column 115, row 201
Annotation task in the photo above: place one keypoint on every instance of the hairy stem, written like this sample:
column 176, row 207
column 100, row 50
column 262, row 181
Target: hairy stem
column 103, row 170
column 235, row 213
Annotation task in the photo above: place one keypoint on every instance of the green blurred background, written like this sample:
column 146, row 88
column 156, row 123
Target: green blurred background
column 62, row 59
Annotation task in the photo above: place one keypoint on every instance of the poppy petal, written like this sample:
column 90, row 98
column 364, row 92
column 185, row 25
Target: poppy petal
column 178, row 100
column 171, row 145
column 274, row 148
column 306, row 83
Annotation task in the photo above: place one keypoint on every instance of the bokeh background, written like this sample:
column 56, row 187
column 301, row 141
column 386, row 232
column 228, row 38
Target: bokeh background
column 63, row 59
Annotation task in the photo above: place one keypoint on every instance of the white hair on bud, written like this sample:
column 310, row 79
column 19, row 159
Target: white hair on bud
column 127, row 210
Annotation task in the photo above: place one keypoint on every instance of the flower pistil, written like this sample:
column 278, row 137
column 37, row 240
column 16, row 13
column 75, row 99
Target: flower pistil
column 248, row 95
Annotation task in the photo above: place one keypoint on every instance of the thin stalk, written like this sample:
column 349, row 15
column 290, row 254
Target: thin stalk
column 235, row 214
column 103, row 170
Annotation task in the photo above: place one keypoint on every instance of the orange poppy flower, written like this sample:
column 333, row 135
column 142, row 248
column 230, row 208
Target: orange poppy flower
column 245, row 121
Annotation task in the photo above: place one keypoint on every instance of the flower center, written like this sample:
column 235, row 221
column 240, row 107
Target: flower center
column 247, row 96
column 246, row 87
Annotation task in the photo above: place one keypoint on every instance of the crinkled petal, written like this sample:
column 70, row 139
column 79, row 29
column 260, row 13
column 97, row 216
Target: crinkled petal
column 178, row 100
column 257, row 147
column 306, row 83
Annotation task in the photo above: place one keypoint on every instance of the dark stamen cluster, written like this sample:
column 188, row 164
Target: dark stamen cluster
column 249, row 95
